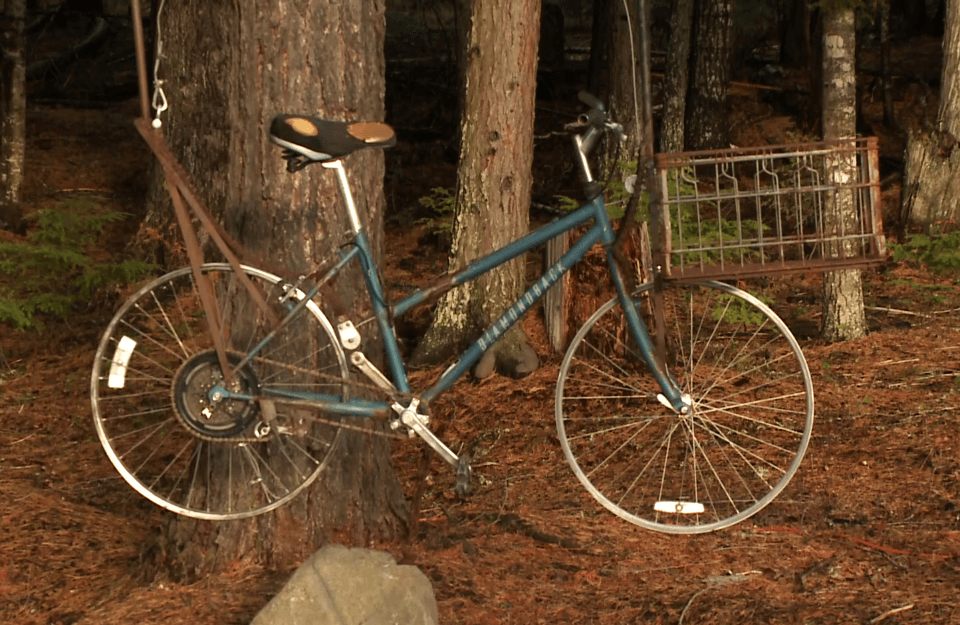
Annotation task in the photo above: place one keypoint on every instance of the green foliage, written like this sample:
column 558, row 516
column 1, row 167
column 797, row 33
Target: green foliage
column 703, row 222
column 441, row 203
column 735, row 310
column 568, row 204
column 703, row 225
column 616, row 196
column 937, row 252
column 712, row 233
column 51, row 272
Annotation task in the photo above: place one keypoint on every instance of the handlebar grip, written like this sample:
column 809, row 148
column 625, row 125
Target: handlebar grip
column 596, row 116
column 590, row 100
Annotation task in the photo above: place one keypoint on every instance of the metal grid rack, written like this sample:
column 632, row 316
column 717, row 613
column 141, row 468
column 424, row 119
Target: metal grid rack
column 746, row 212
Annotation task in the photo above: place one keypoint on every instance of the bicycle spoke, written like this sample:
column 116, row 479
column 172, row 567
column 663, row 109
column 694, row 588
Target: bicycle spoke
column 176, row 445
column 748, row 427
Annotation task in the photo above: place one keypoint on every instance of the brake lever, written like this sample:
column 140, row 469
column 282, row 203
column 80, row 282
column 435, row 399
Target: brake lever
column 617, row 130
column 590, row 100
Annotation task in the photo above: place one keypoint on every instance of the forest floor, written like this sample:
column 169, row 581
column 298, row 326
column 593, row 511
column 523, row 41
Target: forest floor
column 867, row 532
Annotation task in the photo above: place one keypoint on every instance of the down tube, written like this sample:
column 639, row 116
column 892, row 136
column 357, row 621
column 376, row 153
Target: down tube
column 515, row 312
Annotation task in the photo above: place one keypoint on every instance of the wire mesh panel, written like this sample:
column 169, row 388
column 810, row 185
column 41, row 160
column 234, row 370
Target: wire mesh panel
column 758, row 211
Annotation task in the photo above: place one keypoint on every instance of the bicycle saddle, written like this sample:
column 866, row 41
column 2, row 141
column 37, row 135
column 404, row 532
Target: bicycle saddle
column 309, row 139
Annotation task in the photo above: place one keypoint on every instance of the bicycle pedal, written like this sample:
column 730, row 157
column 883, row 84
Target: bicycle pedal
column 464, row 475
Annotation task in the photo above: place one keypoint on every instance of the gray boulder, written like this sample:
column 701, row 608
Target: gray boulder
column 342, row 586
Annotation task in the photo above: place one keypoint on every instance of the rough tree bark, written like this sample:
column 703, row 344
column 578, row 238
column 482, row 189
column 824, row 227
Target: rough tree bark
column 843, row 315
column 13, row 110
column 599, row 45
column 228, row 68
column 706, row 106
column 493, row 182
column 931, row 190
column 676, row 77
column 624, row 101
column 796, row 47
column 886, row 75
column 913, row 15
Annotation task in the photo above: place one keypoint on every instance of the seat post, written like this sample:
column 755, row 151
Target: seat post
column 346, row 194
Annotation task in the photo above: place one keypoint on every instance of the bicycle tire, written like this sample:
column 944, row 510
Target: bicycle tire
column 150, row 384
column 751, row 410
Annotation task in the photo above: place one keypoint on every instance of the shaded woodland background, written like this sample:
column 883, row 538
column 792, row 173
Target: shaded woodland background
column 869, row 531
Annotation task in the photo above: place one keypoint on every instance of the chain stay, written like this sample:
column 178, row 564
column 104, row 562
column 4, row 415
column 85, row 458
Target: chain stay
column 393, row 396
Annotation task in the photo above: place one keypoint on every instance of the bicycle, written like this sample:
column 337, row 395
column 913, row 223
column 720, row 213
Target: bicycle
column 220, row 390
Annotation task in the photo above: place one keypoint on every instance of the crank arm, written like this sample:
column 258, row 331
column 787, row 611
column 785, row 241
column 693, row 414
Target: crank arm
column 373, row 374
column 414, row 421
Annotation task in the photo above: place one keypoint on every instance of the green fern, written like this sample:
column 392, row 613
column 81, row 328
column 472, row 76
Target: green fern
column 441, row 203
column 691, row 221
column 938, row 252
column 735, row 310
column 50, row 273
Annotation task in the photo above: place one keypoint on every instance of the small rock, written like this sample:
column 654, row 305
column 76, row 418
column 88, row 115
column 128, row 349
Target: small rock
column 342, row 586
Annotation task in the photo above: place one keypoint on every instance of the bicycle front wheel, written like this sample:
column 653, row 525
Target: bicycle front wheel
column 179, row 447
column 750, row 421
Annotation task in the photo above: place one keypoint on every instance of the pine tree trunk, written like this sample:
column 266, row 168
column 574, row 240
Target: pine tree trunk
column 493, row 186
column 931, row 190
column 677, row 77
column 228, row 69
column 13, row 110
column 707, row 105
column 886, row 75
column 599, row 45
column 796, row 49
column 843, row 315
column 624, row 104
column 912, row 14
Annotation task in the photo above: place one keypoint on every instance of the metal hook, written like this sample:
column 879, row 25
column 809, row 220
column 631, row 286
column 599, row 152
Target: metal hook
column 159, row 103
column 159, row 97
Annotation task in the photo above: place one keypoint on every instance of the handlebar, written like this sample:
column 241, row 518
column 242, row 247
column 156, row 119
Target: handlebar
column 597, row 117
column 597, row 122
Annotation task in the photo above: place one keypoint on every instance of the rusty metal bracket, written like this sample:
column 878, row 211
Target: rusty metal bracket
column 181, row 190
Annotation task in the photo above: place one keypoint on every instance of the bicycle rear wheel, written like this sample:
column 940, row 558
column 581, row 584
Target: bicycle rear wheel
column 748, row 429
column 150, row 391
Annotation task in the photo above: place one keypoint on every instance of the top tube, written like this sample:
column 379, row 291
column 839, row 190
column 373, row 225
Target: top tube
column 593, row 210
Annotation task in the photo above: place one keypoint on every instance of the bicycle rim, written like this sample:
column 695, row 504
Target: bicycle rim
column 153, row 414
column 749, row 427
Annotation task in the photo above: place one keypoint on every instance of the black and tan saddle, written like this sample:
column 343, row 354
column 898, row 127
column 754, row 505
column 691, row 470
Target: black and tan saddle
column 307, row 139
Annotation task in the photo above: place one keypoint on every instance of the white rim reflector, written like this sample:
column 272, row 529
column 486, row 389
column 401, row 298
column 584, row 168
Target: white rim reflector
column 679, row 507
column 118, row 367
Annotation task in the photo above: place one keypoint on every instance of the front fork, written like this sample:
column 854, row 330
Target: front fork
column 653, row 351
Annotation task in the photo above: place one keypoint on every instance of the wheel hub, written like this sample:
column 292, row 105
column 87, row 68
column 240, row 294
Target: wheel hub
column 210, row 415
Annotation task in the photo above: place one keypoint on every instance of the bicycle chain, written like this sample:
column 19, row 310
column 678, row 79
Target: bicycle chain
column 395, row 396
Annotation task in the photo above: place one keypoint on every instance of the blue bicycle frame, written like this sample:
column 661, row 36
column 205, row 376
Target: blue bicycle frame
column 601, row 231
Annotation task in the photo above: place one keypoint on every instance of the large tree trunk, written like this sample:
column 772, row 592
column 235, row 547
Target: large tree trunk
column 931, row 191
column 599, row 45
column 13, row 110
column 796, row 48
column 707, row 104
column 886, row 74
column 913, row 15
column 493, row 185
column 676, row 77
column 228, row 68
column 843, row 316
column 624, row 102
